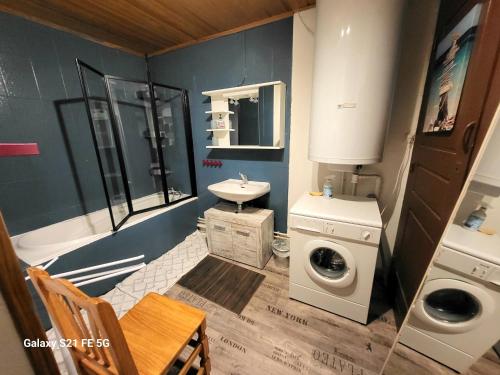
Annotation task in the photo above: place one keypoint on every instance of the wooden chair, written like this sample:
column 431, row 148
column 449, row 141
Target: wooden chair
column 146, row 340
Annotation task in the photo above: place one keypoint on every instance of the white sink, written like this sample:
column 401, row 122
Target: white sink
column 239, row 192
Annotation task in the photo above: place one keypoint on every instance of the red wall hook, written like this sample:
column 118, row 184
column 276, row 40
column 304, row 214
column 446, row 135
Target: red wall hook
column 211, row 163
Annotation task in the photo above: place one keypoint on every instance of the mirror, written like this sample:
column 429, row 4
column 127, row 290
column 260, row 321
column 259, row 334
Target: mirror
column 248, row 116
column 453, row 322
column 252, row 120
column 245, row 121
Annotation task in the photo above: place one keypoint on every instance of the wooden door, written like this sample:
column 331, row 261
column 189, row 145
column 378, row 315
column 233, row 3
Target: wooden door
column 14, row 291
column 440, row 163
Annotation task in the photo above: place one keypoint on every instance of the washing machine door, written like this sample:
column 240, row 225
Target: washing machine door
column 329, row 264
column 453, row 305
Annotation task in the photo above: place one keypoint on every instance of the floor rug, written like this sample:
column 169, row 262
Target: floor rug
column 223, row 283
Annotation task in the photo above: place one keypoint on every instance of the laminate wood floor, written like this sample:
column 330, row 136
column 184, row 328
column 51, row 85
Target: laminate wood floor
column 277, row 335
column 405, row 360
column 227, row 284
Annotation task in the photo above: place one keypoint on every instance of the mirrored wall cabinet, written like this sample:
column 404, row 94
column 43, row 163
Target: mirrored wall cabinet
column 248, row 117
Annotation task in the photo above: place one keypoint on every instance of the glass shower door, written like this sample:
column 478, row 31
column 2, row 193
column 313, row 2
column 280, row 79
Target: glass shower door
column 174, row 125
column 134, row 115
column 107, row 148
column 144, row 147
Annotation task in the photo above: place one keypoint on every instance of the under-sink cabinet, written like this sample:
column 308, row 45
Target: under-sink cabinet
column 244, row 236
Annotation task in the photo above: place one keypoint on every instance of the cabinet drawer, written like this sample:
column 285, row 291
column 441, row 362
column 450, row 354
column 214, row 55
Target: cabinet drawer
column 222, row 251
column 219, row 228
column 220, row 239
column 245, row 238
column 245, row 256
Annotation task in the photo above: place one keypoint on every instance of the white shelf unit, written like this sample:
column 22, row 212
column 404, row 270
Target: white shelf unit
column 220, row 106
column 227, row 124
column 235, row 91
column 249, row 147
column 220, row 111
column 225, row 112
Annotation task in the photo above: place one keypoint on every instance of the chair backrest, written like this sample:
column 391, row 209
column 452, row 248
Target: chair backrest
column 89, row 325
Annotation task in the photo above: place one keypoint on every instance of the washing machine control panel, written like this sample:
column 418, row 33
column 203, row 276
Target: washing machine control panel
column 366, row 235
column 333, row 228
column 469, row 265
column 306, row 223
column 329, row 228
column 480, row 270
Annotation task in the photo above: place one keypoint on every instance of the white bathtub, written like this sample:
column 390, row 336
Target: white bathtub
column 43, row 244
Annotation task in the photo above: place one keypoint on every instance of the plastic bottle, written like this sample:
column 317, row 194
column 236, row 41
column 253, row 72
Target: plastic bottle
column 476, row 219
column 328, row 188
column 219, row 122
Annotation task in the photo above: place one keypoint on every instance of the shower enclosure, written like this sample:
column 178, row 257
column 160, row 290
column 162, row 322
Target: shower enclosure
column 142, row 137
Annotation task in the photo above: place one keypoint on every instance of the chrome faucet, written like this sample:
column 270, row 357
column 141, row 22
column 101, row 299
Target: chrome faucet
column 244, row 178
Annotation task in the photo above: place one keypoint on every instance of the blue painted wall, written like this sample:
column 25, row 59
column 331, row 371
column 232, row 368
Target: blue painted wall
column 41, row 101
column 258, row 55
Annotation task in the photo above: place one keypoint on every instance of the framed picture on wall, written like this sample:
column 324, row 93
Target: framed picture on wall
column 448, row 74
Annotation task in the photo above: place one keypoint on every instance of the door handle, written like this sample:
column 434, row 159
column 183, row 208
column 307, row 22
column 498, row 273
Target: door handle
column 468, row 138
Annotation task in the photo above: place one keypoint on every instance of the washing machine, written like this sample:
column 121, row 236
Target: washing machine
column 455, row 319
column 333, row 253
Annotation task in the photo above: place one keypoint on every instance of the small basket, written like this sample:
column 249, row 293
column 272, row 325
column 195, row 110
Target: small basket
column 281, row 251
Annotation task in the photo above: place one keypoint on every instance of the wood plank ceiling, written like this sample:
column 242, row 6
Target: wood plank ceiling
column 153, row 26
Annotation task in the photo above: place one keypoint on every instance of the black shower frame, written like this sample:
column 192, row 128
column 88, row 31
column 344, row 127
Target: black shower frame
column 116, row 138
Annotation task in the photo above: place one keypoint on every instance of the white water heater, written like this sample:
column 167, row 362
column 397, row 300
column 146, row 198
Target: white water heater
column 356, row 47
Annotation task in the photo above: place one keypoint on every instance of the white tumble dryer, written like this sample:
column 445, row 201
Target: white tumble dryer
column 455, row 318
column 334, row 246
